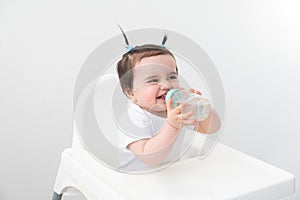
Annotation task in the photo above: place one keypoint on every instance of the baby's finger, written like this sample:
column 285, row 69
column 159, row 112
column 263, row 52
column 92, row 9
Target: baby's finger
column 187, row 115
column 189, row 121
column 195, row 91
column 178, row 109
column 169, row 105
column 198, row 92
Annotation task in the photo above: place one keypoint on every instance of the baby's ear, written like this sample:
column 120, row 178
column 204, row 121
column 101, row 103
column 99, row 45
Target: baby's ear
column 128, row 92
column 130, row 95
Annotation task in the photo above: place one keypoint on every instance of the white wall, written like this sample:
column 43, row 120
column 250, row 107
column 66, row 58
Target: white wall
column 254, row 44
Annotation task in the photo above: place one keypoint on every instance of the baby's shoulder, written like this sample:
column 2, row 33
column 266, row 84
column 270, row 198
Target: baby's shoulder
column 139, row 116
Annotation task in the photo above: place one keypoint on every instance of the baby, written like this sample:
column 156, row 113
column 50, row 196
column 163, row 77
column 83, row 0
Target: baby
column 146, row 74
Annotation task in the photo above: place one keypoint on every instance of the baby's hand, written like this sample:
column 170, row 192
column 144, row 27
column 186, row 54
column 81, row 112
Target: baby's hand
column 191, row 90
column 176, row 118
column 195, row 91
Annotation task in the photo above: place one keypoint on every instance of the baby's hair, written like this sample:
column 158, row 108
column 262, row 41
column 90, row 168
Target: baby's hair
column 134, row 55
column 164, row 40
column 125, row 37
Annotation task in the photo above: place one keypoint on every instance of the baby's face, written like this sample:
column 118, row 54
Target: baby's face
column 153, row 78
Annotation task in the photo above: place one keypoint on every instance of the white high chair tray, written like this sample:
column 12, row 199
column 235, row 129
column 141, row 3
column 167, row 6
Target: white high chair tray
column 224, row 174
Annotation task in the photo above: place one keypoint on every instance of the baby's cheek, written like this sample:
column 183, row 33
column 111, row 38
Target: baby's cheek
column 149, row 93
column 176, row 85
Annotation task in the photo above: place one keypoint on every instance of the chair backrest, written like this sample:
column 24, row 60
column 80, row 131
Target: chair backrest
column 94, row 126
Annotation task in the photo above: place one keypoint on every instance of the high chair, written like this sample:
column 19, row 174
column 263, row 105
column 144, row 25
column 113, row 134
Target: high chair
column 224, row 173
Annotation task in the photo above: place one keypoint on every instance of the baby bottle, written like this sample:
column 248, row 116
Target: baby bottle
column 199, row 104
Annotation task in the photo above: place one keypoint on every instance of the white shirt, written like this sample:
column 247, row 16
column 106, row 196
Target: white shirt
column 143, row 125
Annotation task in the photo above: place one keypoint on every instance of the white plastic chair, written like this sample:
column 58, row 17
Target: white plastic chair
column 224, row 174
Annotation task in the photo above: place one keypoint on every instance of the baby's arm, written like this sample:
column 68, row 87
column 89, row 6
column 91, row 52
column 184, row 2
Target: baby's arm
column 211, row 124
column 153, row 151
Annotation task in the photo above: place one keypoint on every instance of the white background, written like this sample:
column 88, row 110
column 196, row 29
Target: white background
column 254, row 44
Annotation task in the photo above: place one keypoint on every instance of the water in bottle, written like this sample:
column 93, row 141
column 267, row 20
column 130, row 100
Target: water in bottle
column 199, row 104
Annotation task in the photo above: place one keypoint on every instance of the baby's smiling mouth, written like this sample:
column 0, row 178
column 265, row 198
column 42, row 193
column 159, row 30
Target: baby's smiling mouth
column 162, row 97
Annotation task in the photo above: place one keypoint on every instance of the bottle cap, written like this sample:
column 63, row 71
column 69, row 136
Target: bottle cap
column 170, row 94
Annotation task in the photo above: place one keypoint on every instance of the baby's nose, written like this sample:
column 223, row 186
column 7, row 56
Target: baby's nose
column 165, row 85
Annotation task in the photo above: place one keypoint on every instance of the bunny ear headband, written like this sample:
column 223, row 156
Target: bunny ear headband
column 131, row 48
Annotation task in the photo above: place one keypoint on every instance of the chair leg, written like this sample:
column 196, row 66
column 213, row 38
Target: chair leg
column 56, row 196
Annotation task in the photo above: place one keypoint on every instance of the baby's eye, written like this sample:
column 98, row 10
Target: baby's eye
column 173, row 77
column 153, row 81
